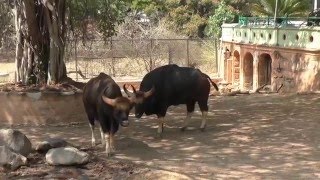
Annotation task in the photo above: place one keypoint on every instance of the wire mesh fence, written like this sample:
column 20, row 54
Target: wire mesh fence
column 7, row 65
column 126, row 59
column 133, row 58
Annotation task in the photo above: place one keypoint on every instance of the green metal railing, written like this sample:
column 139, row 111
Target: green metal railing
column 280, row 21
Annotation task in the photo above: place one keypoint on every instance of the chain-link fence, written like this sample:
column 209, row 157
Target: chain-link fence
column 132, row 58
column 126, row 59
column 7, row 65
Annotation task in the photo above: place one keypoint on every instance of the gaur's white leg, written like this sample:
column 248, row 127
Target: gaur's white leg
column 93, row 139
column 204, row 120
column 160, row 126
column 103, row 141
column 113, row 149
column 108, row 147
column 185, row 122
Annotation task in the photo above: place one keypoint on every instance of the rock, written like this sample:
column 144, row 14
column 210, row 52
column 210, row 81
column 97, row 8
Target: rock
column 10, row 159
column 66, row 156
column 44, row 146
column 66, row 93
column 16, row 141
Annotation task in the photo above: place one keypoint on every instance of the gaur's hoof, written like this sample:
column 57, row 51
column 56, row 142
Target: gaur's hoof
column 202, row 129
column 183, row 129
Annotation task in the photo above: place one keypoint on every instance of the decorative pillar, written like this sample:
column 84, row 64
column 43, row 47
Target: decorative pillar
column 255, row 80
column 241, row 72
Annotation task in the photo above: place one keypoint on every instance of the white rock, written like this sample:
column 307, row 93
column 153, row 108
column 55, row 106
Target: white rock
column 66, row 156
column 10, row 159
column 16, row 141
column 67, row 93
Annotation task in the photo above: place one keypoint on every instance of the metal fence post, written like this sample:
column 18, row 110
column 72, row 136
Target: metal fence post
column 76, row 57
column 188, row 60
column 112, row 58
column 150, row 60
column 169, row 55
column 216, row 54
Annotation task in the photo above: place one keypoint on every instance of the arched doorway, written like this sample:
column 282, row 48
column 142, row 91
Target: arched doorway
column 264, row 69
column 248, row 70
column 236, row 67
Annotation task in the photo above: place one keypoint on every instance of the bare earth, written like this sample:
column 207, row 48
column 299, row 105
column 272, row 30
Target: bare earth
column 247, row 137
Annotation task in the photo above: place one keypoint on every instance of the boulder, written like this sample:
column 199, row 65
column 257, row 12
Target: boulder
column 66, row 156
column 16, row 141
column 44, row 146
column 10, row 159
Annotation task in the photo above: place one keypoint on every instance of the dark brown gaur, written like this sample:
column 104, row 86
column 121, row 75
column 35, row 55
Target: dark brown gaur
column 105, row 105
column 172, row 85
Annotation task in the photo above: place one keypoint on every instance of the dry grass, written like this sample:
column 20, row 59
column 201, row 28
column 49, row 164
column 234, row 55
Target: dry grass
column 7, row 68
column 133, row 58
column 124, row 69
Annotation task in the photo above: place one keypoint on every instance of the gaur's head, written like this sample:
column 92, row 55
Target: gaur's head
column 121, row 108
column 139, row 97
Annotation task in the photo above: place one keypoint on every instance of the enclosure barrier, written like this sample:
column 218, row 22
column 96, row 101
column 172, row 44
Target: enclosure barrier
column 48, row 108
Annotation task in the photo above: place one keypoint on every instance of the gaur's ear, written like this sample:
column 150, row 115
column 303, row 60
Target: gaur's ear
column 149, row 93
column 111, row 102
column 130, row 94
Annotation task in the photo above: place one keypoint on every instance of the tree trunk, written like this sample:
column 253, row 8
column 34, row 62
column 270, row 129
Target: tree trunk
column 40, row 33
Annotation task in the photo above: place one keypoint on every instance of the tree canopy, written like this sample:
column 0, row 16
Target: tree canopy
column 223, row 13
column 289, row 8
column 43, row 27
column 102, row 15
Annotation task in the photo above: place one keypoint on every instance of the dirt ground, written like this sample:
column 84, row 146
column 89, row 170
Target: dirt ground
column 247, row 137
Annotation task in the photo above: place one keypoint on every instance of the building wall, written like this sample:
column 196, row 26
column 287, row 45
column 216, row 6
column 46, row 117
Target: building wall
column 294, row 54
column 297, row 70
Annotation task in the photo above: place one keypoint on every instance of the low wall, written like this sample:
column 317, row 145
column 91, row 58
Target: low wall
column 50, row 108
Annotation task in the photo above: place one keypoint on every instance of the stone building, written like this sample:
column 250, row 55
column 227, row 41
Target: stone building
column 283, row 55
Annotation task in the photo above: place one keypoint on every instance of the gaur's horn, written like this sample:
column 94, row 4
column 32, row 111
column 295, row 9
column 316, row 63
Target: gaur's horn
column 111, row 102
column 130, row 94
column 134, row 89
column 149, row 93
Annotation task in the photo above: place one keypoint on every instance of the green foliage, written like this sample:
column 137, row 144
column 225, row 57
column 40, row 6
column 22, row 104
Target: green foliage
column 194, row 27
column 154, row 9
column 141, row 4
column 6, row 24
column 80, row 13
column 222, row 13
column 189, row 17
column 290, row 8
column 109, row 14
column 241, row 6
column 106, row 14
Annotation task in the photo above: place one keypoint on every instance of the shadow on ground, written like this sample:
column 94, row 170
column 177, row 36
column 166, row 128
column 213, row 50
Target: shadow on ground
column 251, row 137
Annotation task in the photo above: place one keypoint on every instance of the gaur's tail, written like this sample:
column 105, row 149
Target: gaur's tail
column 213, row 83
